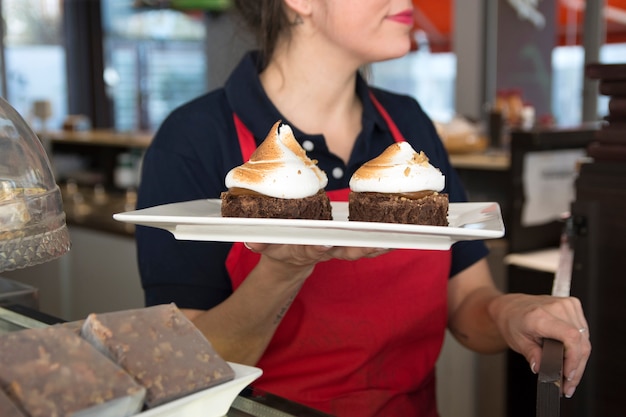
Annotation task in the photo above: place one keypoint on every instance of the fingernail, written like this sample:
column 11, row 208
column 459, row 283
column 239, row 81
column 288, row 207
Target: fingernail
column 570, row 392
column 571, row 375
column 532, row 367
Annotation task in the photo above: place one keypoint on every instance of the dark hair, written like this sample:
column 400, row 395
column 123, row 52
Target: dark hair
column 267, row 20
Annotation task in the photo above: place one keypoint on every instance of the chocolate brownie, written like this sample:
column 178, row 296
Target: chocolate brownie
column 238, row 203
column 54, row 372
column 160, row 348
column 430, row 209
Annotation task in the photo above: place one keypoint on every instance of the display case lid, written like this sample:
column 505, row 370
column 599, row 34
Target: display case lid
column 32, row 220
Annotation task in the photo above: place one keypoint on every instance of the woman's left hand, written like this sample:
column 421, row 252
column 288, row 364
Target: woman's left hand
column 525, row 320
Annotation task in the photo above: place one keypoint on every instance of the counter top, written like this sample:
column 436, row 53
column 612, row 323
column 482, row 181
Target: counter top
column 488, row 161
column 546, row 260
column 93, row 209
column 98, row 137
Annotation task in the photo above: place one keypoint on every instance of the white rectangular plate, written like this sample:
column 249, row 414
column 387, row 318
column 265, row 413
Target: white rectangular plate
column 201, row 220
column 212, row 402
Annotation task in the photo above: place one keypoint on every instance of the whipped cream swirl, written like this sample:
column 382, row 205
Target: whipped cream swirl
column 279, row 168
column 399, row 169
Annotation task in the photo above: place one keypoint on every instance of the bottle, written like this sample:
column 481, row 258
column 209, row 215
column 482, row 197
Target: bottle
column 124, row 175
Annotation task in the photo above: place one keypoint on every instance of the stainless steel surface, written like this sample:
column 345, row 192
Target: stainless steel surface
column 14, row 292
column 10, row 321
column 253, row 408
column 563, row 276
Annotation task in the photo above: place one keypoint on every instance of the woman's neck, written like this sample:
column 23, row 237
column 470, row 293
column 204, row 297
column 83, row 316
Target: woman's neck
column 317, row 94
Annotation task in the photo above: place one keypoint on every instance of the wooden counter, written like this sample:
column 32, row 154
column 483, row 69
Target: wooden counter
column 485, row 161
column 98, row 137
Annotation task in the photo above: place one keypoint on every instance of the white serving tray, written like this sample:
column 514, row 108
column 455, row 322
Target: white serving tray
column 201, row 220
column 212, row 402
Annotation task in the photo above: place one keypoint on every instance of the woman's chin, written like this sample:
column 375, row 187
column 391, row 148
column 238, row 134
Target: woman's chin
column 393, row 53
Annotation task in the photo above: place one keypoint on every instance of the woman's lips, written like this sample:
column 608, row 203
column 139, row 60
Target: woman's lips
column 405, row 17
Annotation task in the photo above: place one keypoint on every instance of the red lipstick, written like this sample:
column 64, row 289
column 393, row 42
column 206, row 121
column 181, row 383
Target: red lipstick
column 405, row 17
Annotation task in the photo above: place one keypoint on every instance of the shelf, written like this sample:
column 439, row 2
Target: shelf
column 485, row 161
column 98, row 137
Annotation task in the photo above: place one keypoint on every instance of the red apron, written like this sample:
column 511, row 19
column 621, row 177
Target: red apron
column 361, row 338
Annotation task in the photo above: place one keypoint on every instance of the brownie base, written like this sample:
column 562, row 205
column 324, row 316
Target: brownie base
column 431, row 210
column 316, row 207
column 52, row 371
column 160, row 348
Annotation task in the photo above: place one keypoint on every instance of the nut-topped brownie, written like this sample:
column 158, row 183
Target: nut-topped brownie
column 54, row 372
column 162, row 349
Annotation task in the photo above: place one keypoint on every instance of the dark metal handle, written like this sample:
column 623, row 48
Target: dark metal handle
column 550, row 379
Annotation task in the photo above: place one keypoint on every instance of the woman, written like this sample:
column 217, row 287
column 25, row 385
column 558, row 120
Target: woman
column 350, row 331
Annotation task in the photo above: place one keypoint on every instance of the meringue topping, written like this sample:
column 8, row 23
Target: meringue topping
column 279, row 168
column 399, row 169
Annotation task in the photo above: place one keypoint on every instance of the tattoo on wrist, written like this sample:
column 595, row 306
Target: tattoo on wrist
column 284, row 309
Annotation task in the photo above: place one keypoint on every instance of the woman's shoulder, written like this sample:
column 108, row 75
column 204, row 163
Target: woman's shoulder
column 198, row 130
column 209, row 112
column 206, row 108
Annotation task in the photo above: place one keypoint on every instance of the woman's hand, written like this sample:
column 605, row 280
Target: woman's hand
column 525, row 320
column 308, row 255
column 487, row 321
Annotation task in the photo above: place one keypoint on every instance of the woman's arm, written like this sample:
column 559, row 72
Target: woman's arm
column 487, row 321
column 241, row 327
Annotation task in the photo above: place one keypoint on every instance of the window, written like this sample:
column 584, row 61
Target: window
column 155, row 60
column 567, row 81
column 34, row 59
column 430, row 78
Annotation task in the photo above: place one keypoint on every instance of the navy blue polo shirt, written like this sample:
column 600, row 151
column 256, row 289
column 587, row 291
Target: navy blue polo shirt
column 197, row 145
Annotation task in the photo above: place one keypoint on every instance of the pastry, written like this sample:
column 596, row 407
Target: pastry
column 52, row 371
column 160, row 348
column 398, row 186
column 279, row 181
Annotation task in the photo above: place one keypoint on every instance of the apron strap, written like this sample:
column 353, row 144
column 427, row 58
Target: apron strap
column 395, row 132
column 246, row 138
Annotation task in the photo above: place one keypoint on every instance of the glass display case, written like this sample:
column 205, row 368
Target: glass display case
column 32, row 220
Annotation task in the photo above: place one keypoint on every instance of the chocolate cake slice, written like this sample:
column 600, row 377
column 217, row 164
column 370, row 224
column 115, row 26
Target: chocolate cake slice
column 160, row 348
column 236, row 203
column 431, row 210
column 54, row 372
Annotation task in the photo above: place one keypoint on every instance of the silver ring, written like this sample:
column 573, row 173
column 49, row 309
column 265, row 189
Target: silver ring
column 246, row 245
column 582, row 330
